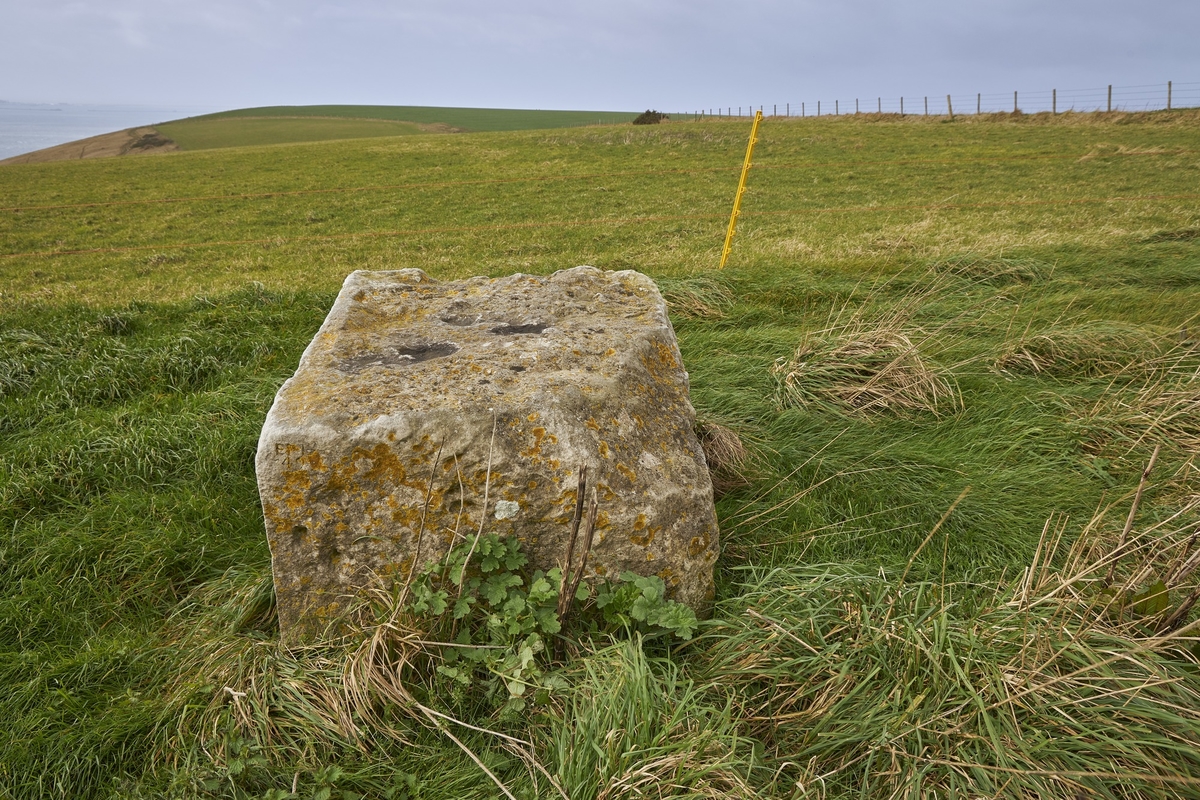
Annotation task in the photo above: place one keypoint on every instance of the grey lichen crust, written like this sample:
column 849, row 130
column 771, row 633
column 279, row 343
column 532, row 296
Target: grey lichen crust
column 417, row 397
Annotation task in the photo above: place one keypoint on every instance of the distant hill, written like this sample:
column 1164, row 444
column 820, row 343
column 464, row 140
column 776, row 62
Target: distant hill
column 463, row 119
column 269, row 125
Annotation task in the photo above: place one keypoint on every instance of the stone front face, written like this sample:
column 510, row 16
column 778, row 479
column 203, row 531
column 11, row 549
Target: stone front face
column 416, row 398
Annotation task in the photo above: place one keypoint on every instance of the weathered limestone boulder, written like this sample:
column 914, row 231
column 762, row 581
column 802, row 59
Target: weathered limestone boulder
column 417, row 398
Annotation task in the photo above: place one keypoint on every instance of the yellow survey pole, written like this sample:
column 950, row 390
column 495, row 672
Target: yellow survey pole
column 737, row 200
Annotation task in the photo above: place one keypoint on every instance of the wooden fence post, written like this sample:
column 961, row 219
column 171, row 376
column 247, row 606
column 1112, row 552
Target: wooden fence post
column 856, row 106
column 927, row 105
column 879, row 100
column 978, row 103
column 802, row 109
column 818, row 108
column 1168, row 95
column 1014, row 102
column 1054, row 101
column 1110, row 97
column 949, row 107
column 902, row 105
column 836, row 112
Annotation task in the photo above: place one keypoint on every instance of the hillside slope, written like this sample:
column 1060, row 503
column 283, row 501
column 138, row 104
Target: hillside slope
column 270, row 125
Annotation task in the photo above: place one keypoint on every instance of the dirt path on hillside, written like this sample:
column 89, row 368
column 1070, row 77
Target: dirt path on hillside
column 132, row 141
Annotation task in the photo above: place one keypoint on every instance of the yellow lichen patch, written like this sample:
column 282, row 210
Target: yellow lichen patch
column 539, row 435
column 295, row 489
column 645, row 539
column 407, row 517
column 699, row 544
column 604, row 450
column 481, row 477
column 312, row 460
column 385, row 468
column 296, row 480
column 327, row 611
column 627, row 472
column 341, row 475
column 591, row 423
column 532, row 417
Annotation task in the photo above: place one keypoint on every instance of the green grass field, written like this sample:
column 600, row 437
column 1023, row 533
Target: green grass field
column 209, row 134
column 466, row 119
column 950, row 347
column 289, row 124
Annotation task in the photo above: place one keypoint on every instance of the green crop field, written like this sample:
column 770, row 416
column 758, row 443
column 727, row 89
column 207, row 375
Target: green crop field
column 289, row 124
column 208, row 134
column 466, row 119
column 950, row 349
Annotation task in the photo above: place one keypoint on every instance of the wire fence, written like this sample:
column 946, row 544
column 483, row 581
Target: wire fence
column 1144, row 97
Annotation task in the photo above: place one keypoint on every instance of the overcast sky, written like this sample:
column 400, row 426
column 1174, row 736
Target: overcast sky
column 607, row 54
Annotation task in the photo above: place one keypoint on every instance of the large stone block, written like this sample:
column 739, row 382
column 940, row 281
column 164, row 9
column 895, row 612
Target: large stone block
column 417, row 398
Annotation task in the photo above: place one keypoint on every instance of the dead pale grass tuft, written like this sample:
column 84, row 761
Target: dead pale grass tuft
column 284, row 696
column 1087, row 348
column 863, row 368
column 870, row 362
column 1174, row 235
column 1103, row 150
column 1061, row 683
column 702, row 297
column 1153, row 401
column 727, row 458
column 983, row 269
column 301, row 700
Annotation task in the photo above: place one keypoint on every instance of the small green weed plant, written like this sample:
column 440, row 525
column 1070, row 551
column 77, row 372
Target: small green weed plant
column 496, row 622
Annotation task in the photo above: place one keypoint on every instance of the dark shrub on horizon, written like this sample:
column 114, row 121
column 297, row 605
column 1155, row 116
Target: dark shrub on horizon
column 649, row 117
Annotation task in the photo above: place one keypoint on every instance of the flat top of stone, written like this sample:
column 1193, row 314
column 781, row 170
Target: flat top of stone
column 400, row 341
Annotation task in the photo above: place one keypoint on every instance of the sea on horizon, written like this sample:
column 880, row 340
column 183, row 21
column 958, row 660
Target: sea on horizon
column 25, row 127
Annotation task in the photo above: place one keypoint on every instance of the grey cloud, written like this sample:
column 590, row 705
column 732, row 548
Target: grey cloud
column 618, row 54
